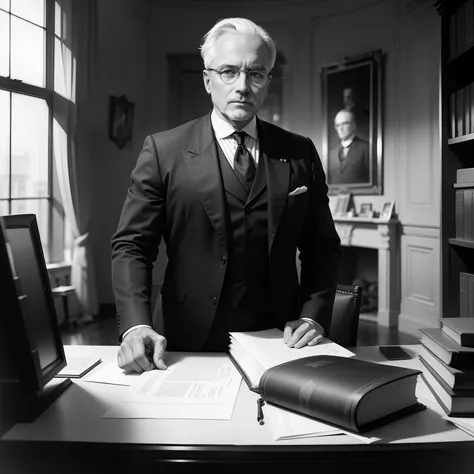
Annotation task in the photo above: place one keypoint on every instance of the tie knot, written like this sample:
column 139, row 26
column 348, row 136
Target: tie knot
column 240, row 137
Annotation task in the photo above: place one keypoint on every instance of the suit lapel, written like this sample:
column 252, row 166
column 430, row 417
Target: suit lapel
column 203, row 165
column 277, row 167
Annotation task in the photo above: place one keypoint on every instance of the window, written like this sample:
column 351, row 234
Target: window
column 28, row 182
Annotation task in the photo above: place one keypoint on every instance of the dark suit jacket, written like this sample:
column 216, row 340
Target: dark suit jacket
column 177, row 194
column 355, row 168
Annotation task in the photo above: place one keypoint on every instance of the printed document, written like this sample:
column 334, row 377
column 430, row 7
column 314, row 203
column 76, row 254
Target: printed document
column 193, row 387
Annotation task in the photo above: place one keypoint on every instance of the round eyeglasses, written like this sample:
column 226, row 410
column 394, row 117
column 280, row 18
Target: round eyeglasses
column 230, row 75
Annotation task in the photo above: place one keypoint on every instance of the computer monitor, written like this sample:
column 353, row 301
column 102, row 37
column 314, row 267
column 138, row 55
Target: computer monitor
column 31, row 348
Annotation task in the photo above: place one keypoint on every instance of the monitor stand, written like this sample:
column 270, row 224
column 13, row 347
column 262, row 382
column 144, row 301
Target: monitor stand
column 18, row 406
column 51, row 391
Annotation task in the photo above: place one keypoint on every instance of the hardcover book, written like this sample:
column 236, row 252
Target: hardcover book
column 466, row 295
column 459, row 329
column 454, row 403
column 447, row 349
column 349, row 393
column 455, row 379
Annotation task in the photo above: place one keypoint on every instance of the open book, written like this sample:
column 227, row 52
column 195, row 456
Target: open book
column 255, row 352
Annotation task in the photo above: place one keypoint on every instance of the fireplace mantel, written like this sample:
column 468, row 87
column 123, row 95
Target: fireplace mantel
column 384, row 236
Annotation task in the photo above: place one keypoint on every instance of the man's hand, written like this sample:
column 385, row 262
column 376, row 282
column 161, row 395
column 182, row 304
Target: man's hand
column 302, row 333
column 141, row 350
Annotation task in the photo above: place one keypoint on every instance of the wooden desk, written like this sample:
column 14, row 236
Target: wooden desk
column 72, row 437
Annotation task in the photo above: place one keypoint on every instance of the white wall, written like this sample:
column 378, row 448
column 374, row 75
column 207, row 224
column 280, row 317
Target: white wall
column 134, row 41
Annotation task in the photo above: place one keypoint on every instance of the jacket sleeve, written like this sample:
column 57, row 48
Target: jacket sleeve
column 136, row 240
column 319, row 247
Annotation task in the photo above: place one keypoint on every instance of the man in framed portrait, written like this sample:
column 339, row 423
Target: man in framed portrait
column 349, row 162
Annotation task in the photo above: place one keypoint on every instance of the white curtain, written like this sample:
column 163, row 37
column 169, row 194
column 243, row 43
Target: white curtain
column 75, row 45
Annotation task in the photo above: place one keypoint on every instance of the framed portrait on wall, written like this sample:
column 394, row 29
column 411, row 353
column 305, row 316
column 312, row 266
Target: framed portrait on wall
column 352, row 124
column 120, row 120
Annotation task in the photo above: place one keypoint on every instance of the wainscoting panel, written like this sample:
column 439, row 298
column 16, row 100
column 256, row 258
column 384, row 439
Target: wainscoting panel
column 420, row 305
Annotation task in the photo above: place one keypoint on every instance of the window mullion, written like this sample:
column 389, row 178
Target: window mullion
column 50, row 87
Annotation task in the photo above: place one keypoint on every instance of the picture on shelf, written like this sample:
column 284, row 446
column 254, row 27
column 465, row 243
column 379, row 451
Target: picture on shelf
column 342, row 204
column 366, row 210
column 387, row 210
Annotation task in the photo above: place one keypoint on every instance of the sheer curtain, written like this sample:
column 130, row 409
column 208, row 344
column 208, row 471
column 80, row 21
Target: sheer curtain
column 75, row 45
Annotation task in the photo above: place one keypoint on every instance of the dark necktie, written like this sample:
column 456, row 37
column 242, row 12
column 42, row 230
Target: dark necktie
column 243, row 161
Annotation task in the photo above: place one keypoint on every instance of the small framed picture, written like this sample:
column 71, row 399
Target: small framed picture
column 342, row 204
column 387, row 210
column 365, row 209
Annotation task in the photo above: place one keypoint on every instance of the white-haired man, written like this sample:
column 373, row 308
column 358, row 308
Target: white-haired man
column 233, row 197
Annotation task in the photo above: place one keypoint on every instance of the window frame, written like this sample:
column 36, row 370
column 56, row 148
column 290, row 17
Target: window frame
column 55, row 227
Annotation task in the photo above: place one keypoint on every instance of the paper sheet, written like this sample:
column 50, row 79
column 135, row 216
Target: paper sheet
column 287, row 425
column 193, row 387
column 269, row 348
column 110, row 373
column 465, row 424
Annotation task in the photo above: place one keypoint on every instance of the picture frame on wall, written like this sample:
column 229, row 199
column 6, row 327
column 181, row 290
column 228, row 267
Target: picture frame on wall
column 120, row 120
column 352, row 124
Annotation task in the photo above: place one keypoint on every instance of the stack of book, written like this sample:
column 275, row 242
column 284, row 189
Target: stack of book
column 447, row 364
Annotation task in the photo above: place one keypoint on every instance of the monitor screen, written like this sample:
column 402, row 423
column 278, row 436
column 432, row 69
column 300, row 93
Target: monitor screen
column 39, row 312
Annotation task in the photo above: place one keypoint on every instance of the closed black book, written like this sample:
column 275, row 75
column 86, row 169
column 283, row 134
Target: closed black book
column 349, row 393
column 447, row 349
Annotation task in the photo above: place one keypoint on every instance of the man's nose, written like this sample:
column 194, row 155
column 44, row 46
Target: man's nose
column 242, row 82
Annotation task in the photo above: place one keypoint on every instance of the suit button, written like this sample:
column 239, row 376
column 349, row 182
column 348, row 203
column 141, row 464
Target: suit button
column 248, row 211
column 224, row 260
column 248, row 229
column 214, row 300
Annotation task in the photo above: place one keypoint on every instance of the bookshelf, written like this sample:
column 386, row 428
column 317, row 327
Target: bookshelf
column 457, row 148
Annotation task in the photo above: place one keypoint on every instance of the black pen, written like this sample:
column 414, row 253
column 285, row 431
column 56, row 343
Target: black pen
column 260, row 403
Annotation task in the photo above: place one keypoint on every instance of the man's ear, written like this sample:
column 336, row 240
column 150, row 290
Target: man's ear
column 207, row 80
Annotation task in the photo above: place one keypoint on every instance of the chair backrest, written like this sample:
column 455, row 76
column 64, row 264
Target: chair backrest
column 345, row 316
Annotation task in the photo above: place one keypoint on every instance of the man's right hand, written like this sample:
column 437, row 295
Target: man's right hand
column 142, row 349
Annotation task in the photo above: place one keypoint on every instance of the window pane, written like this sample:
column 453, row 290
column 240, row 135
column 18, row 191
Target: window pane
column 5, row 4
column 4, row 43
column 3, row 208
column 40, row 208
column 62, row 69
column 29, row 147
column 27, row 48
column 32, row 10
column 4, row 143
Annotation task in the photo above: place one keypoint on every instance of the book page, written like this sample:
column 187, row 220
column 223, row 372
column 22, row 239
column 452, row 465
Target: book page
column 269, row 349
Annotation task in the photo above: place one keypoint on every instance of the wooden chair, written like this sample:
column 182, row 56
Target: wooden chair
column 345, row 316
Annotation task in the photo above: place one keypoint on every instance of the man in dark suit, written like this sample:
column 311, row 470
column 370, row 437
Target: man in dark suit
column 232, row 210
column 349, row 163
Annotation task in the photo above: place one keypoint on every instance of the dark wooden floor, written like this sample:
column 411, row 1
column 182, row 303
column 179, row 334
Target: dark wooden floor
column 103, row 331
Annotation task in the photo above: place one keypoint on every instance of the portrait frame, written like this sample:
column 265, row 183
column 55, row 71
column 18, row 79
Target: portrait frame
column 354, row 84
column 120, row 120
column 387, row 210
column 366, row 209
column 342, row 204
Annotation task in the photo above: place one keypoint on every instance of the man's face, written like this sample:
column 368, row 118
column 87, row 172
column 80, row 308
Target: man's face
column 237, row 103
column 344, row 125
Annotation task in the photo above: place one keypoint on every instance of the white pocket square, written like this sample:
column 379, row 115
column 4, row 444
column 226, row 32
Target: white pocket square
column 299, row 190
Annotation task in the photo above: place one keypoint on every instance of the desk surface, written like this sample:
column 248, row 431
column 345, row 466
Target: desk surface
column 76, row 421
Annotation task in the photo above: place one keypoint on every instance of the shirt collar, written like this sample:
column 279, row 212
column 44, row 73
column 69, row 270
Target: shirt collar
column 223, row 129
